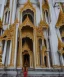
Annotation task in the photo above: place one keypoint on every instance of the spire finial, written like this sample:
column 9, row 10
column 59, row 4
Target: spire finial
column 28, row 0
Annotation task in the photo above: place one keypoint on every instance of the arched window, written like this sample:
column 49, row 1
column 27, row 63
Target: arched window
column 28, row 13
column 6, row 16
column 46, row 11
column 47, row 16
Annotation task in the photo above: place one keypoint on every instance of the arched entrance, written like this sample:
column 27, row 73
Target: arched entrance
column 27, row 52
column 26, row 59
column 26, row 44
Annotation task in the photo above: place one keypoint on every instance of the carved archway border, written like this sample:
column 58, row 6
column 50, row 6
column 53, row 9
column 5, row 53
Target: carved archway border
column 28, row 5
column 31, row 37
column 26, row 22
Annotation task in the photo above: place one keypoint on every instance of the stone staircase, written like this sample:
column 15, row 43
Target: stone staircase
column 32, row 73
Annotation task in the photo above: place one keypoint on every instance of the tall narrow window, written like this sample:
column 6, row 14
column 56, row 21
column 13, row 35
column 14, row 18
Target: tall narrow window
column 47, row 16
column 28, row 13
column 6, row 17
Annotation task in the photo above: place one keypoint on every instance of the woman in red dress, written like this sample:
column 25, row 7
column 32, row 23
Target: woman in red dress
column 25, row 71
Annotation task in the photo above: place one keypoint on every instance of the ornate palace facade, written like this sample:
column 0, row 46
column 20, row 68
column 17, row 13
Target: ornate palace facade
column 32, row 33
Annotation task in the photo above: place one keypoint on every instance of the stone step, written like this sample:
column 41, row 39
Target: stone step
column 32, row 73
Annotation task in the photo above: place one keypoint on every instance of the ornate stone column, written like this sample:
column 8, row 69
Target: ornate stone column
column 16, row 43
column 43, row 55
column 19, row 55
column 48, row 59
column 37, row 54
column 13, row 40
column 31, row 61
column 38, row 60
column 43, row 65
column 34, row 47
column 1, row 65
